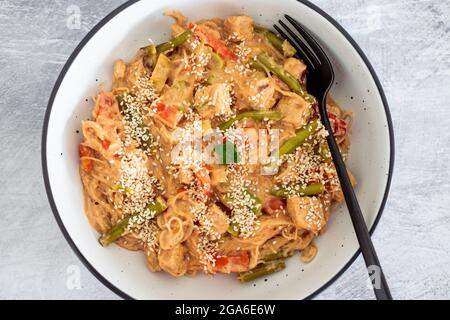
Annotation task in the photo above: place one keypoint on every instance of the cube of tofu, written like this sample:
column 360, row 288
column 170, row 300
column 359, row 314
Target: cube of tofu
column 307, row 213
column 215, row 219
column 213, row 100
column 135, row 70
column 239, row 28
column 295, row 67
column 258, row 94
column 174, row 260
column 152, row 260
column 295, row 110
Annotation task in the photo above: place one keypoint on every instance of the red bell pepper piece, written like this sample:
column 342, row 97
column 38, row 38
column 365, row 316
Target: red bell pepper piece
column 86, row 152
column 237, row 263
column 169, row 115
column 217, row 45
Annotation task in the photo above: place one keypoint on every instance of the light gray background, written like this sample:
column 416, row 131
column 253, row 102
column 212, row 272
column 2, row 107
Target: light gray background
column 408, row 43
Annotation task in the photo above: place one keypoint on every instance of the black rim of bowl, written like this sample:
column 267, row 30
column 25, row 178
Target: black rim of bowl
column 75, row 54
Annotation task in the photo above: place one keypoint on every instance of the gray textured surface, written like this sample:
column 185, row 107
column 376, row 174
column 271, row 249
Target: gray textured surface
column 408, row 43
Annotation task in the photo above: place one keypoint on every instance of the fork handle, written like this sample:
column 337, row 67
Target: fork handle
column 380, row 285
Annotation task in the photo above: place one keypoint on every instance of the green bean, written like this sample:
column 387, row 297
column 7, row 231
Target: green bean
column 286, row 192
column 255, row 202
column 145, row 137
column 277, row 256
column 292, row 144
column 151, row 49
column 119, row 187
column 115, row 232
column 276, row 41
column 324, row 152
column 300, row 137
column 255, row 115
column 265, row 60
column 259, row 29
column 175, row 42
column 255, row 64
column 234, row 229
column 158, row 206
column 261, row 271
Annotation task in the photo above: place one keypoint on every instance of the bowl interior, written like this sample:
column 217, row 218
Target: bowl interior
column 355, row 90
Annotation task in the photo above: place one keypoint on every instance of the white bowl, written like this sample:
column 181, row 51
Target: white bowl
column 118, row 36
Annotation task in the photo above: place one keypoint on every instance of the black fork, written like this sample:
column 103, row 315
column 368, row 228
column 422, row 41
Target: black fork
column 321, row 78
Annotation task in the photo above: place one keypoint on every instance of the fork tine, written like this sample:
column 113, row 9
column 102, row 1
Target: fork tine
column 303, row 44
column 308, row 38
column 297, row 45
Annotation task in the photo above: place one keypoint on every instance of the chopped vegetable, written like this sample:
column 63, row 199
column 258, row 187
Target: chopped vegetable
column 103, row 107
column 278, row 42
column 106, row 143
column 217, row 45
column 338, row 126
column 262, row 270
column 119, row 187
column 274, row 204
column 211, row 79
column 158, row 207
column 86, row 152
column 256, row 204
column 204, row 180
column 255, row 64
column 169, row 115
column 161, row 72
column 151, row 50
column 234, row 229
column 286, row 192
column 144, row 138
column 263, row 59
column 227, row 264
column 324, row 152
column 293, row 143
column 288, row 49
column 254, row 115
column 277, row 256
column 216, row 62
column 300, row 137
column 175, row 42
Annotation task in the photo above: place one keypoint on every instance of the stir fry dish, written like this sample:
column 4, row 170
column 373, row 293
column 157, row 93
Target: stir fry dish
column 156, row 181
